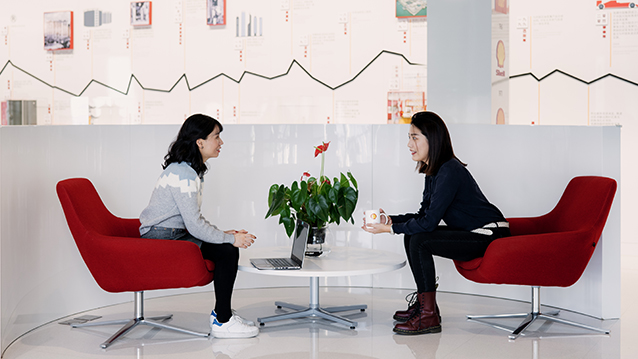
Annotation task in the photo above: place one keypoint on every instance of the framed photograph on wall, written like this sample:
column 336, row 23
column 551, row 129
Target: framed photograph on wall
column 215, row 12
column 141, row 13
column 58, row 30
column 411, row 8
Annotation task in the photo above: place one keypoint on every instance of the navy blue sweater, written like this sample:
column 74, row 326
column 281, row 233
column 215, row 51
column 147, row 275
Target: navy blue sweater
column 453, row 195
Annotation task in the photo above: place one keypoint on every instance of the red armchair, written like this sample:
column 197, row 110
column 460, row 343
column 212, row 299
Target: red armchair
column 121, row 261
column 550, row 250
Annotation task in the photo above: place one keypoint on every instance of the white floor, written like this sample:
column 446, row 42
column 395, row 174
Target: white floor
column 319, row 339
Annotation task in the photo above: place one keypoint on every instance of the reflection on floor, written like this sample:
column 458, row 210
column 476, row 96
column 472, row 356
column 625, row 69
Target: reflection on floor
column 307, row 338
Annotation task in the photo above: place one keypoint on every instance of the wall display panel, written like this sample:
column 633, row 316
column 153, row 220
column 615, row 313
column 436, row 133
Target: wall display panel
column 155, row 62
column 573, row 50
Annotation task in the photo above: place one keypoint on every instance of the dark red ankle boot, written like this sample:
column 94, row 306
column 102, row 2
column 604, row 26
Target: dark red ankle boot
column 425, row 320
column 403, row 316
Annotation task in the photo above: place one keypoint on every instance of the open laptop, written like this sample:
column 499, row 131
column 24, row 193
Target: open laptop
column 296, row 256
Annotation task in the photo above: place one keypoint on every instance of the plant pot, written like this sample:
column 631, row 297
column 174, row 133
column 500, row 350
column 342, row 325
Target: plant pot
column 316, row 239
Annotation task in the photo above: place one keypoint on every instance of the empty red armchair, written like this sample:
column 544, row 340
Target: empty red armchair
column 121, row 261
column 550, row 250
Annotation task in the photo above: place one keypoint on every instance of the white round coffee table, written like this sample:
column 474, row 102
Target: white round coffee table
column 338, row 262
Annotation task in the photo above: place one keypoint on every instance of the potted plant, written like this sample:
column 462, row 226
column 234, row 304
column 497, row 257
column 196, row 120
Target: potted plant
column 316, row 201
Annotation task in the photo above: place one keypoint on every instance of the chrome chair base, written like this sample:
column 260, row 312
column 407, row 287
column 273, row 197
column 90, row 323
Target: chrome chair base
column 531, row 318
column 139, row 319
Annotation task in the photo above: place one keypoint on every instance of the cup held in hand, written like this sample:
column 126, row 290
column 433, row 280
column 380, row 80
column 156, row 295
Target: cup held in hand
column 372, row 216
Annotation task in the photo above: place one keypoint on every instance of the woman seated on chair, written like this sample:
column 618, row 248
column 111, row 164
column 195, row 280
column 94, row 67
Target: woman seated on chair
column 174, row 212
column 451, row 194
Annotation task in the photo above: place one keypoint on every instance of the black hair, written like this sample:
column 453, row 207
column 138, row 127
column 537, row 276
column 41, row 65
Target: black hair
column 439, row 141
column 185, row 149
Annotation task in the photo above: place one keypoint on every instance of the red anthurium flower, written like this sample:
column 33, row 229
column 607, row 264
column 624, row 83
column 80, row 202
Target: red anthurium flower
column 321, row 148
column 326, row 180
column 304, row 175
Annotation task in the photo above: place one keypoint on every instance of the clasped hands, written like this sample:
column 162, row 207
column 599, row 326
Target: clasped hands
column 243, row 239
column 376, row 228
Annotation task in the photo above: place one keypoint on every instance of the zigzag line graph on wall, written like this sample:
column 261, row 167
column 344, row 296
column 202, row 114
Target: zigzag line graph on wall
column 573, row 77
column 185, row 78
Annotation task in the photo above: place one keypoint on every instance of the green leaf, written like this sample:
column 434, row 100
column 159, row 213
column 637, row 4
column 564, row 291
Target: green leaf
column 319, row 208
column 285, row 213
column 324, row 214
column 325, row 189
column 344, row 181
column 271, row 193
column 287, row 220
column 334, row 215
column 354, row 181
column 347, row 202
column 278, row 202
column 289, row 224
column 336, row 184
column 296, row 196
column 351, row 205
column 333, row 194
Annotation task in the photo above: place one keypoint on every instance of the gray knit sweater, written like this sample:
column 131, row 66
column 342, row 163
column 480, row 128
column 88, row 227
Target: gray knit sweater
column 176, row 203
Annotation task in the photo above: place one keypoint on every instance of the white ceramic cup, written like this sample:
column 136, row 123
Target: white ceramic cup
column 372, row 216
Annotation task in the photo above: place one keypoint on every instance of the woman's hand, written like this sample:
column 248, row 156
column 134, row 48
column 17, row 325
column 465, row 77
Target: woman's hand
column 376, row 228
column 382, row 214
column 243, row 239
column 386, row 220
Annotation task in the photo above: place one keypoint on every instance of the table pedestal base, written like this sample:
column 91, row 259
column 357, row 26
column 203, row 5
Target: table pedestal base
column 314, row 310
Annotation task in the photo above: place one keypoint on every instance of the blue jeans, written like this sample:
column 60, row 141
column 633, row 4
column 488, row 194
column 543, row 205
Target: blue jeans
column 171, row 233
column 226, row 259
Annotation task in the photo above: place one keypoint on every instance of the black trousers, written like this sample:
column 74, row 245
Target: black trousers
column 226, row 259
column 447, row 243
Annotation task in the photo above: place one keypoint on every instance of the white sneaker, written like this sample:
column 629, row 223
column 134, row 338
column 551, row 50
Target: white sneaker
column 233, row 328
column 243, row 320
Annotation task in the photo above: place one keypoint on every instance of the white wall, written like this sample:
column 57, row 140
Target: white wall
column 521, row 169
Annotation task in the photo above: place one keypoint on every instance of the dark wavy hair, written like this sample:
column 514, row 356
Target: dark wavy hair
column 185, row 149
column 439, row 141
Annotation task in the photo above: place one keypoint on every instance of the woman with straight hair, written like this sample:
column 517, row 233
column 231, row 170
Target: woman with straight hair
column 174, row 213
column 450, row 194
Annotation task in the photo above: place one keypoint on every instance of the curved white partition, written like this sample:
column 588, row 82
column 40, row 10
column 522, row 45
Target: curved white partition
column 521, row 169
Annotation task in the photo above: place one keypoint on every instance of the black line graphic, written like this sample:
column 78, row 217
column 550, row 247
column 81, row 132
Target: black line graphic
column 573, row 77
column 185, row 78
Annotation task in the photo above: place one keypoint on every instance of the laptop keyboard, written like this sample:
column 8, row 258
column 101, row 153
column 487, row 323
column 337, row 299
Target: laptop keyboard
column 280, row 262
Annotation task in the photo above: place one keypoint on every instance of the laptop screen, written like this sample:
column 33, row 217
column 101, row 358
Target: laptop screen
column 299, row 242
